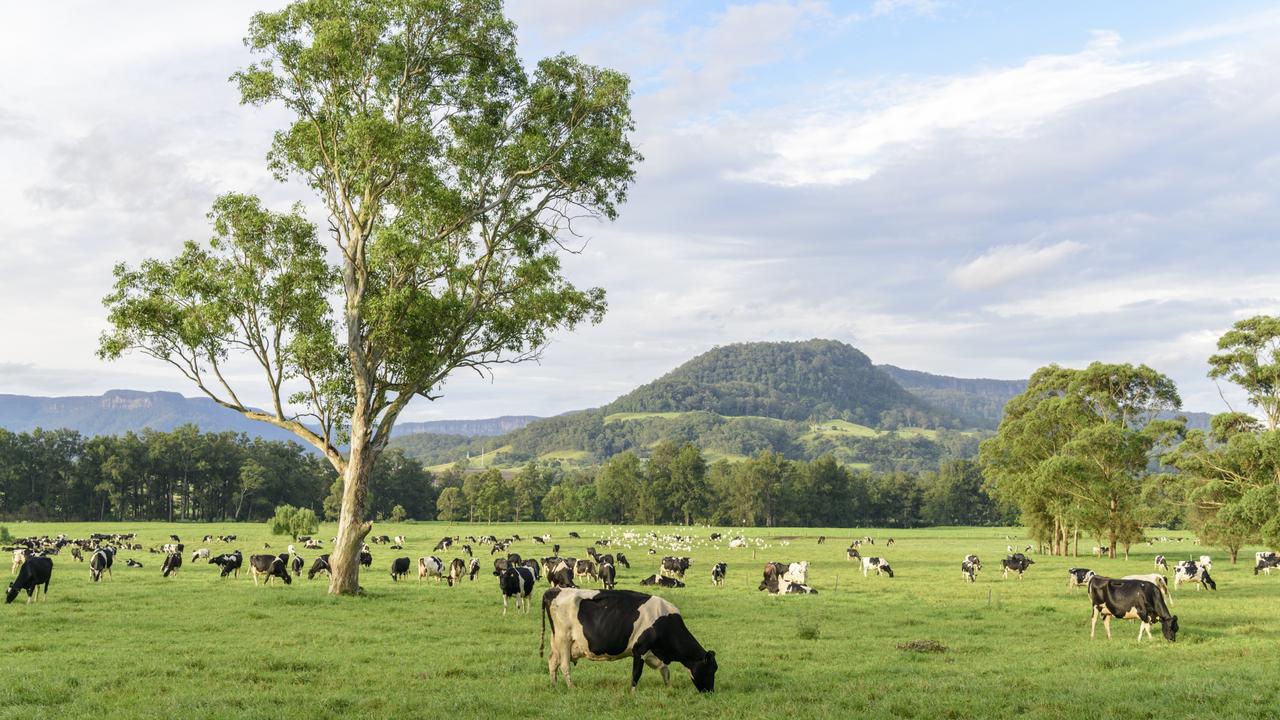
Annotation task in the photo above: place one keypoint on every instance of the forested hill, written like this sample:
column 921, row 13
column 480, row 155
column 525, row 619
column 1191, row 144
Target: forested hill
column 977, row 402
column 487, row 427
column 811, row 380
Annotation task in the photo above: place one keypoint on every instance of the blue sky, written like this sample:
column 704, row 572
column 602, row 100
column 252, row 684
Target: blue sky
column 975, row 189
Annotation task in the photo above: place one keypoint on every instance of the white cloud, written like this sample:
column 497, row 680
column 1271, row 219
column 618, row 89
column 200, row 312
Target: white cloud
column 927, row 8
column 999, row 265
column 837, row 145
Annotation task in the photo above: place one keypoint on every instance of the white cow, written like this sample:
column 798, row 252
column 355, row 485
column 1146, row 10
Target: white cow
column 1188, row 572
column 797, row 572
column 430, row 567
column 1155, row 579
column 737, row 543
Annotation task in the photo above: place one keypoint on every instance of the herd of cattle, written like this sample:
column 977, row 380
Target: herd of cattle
column 603, row 624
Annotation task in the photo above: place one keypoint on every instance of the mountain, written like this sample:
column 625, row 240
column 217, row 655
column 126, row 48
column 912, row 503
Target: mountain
column 119, row 411
column 977, row 402
column 487, row 427
column 814, row 379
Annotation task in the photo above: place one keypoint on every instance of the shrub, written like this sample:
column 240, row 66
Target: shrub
column 399, row 514
column 5, row 536
column 293, row 521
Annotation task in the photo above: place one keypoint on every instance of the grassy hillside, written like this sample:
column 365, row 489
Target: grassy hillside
column 199, row 646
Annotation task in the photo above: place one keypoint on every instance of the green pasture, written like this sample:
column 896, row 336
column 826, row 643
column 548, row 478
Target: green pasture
column 198, row 646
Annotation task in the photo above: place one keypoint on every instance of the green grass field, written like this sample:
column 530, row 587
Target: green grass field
column 139, row 645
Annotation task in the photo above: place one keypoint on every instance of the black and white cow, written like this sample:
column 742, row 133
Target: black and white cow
column 457, row 571
column 614, row 624
column 608, row 576
column 321, row 565
column 399, row 568
column 662, row 581
column 718, row 572
column 585, row 569
column 560, row 574
column 229, row 562
column 201, row 554
column 270, row 566
column 1078, row 577
column 100, row 562
column 431, row 566
column 296, row 565
column 444, row 544
column 1016, row 563
column 474, row 569
column 852, row 554
column 32, row 576
column 1161, row 563
column 674, row 566
column 1188, row 571
column 312, row 544
column 366, row 558
column 1130, row 600
column 516, row 581
column 880, row 565
column 133, row 563
column 172, row 564
column 969, row 569
column 1266, row 562
column 622, row 560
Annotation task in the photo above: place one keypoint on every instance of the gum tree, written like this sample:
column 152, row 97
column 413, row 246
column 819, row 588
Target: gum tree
column 451, row 181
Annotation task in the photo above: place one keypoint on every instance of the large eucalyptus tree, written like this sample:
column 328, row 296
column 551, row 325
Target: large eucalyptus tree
column 451, row 180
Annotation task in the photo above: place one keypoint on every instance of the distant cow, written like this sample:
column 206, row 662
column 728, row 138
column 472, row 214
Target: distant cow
column 1161, row 563
column 561, row 575
column 133, row 563
column 1266, row 563
column 797, row 572
column 296, row 565
column 662, row 581
column 321, row 565
column 229, row 562
column 773, row 572
column 201, row 554
column 608, row 576
column 32, row 576
column 1016, row 563
column 585, row 568
column 718, row 572
column 269, row 566
column 852, row 554
column 172, row 564
column 444, row 544
column 613, row 624
column 474, row 569
column 1188, row 572
column 101, row 562
column 1079, row 577
column 880, row 565
column 312, row 544
column 674, row 566
column 1130, row 600
column 399, row 568
column 622, row 560
column 20, row 556
column 517, row 582
column 432, row 567
column 366, row 558
column 969, row 570
column 457, row 571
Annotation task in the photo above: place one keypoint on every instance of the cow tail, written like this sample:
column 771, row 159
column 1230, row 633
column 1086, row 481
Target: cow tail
column 546, row 617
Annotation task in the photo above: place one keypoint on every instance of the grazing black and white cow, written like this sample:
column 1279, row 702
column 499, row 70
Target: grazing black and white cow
column 573, row 534
column 1161, row 563
column 674, row 566
column 622, row 560
column 201, row 554
column 1016, row 563
column 718, row 572
column 444, row 544
column 229, row 562
column 1188, row 571
column 535, row 566
column 614, row 624
column 32, row 576
column 270, row 566
column 608, row 576
column 399, row 568
column 474, row 569
column 852, row 554
column 1079, row 577
column 585, row 569
column 1266, row 562
column 321, row 565
column 1130, row 600
column 457, row 571
column 662, row 581
column 76, row 554
column 100, row 562
column 172, row 564
column 430, row 567
column 296, row 565
column 133, row 563
column 880, row 565
column 517, row 582
column 969, row 570
column 467, row 549
column 560, row 574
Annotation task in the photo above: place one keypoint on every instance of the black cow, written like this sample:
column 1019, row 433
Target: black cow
column 662, row 581
column 270, row 566
column 366, row 558
column 718, row 572
column 535, row 566
column 1130, row 600
column 517, row 582
column 608, row 576
column 34, row 574
column 622, row 623
column 172, row 564
column 574, row 535
column 100, row 562
column 229, row 562
column 675, row 566
column 321, row 565
column 1016, row 563
column 1079, row 577
column 399, row 568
